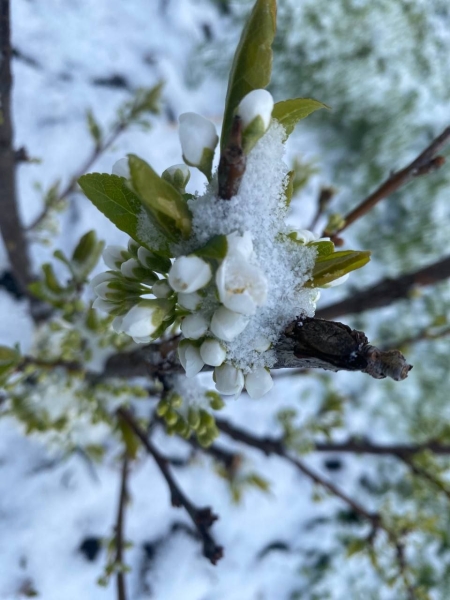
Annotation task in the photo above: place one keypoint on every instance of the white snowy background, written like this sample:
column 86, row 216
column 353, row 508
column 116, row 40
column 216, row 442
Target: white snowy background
column 50, row 504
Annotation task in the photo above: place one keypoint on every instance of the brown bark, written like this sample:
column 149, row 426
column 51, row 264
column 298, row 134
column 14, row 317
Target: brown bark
column 10, row 224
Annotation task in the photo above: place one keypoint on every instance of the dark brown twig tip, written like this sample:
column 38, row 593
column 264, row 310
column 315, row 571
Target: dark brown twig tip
column 385, row 363
column 232, row 163
column 205, row 517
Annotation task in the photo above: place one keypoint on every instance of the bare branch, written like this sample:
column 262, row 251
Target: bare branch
column 387, row 291
column 202, row 518
column 10, row 225
column 119, row 537
column 425, row 163
column 71, row 186
column 326, row 195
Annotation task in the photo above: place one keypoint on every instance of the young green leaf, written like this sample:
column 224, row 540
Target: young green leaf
column 323, row 248
column 94, row 128
column 215, row 249
column 164, row 203
column 290, row 112
column 252, row 64
column 9, row 358
column 86, row 255
column 111, row 195
column 289, row 189
column 332, row 266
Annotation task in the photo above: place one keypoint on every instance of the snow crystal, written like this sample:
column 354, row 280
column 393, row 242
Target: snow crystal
column 149, row 233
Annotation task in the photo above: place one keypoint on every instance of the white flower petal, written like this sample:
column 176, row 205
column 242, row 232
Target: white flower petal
column 194, row 326
column 261, row 344
column 226, row 324
column 114, row 256
column 104, row 305
column 189, row 274
column 127, row 268
column 212, row 352
column 242, row 286
column 242, row 244
column 190, row 358
column 121, row 168
column 228, row 379
column 256, row 103
column 196, row 133
column 258, row 383
column 101, row 278
column 189, row 301
column 117, row 324
column 305, row 236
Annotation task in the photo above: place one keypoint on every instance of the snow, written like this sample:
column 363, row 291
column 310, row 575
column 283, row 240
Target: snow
column 51, row 501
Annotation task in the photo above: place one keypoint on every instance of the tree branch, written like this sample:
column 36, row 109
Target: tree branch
column 119, row 538
column 202, row 518
column 388, row 290
column 425, row 163
column 10, row 225
column 71, row 186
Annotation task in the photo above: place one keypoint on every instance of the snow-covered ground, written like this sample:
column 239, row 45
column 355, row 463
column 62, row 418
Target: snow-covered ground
column 50, row 504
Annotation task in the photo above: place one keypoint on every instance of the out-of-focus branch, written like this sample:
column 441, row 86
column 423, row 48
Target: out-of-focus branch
column 325, row 196
column 10, row 225
column 387, row 291
column 71, row 186
column 427, row 162
column 119, row 537
column 202, row 518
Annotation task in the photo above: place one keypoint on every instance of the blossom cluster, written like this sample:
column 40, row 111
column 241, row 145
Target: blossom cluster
column 242, row 275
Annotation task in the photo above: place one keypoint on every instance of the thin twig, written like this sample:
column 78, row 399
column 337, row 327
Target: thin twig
column 119, row 537
column 71, row 186
column 425, row 163
column 202, row 518
column 273, row 446
column 325, row 196
column 387, row 291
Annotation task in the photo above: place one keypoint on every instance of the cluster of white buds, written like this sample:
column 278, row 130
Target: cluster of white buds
column 221, row 302
column 141, row 301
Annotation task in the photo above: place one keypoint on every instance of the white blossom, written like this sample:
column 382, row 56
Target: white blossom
column 226, row 324
column 196, row 133
column 212, row 352
column 104, row 305
column 261, row 344
column 122, row 168
column 194, row 326
column 189, row 274
column 189, row 301
column 258, row 383
column 228, row 379
column 257, row 103
column 143, row 320
column 117, row 324
column 114, row 256
column 242, row 285
column 101, row 278
column 190, row 358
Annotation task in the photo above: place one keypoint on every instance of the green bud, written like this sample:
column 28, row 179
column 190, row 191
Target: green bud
column 171, row 417
column 178, row 176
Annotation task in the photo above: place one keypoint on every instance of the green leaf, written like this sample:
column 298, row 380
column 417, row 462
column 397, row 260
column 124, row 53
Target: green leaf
column 323, row 248
column 215, row 249
column 9, row 358
column 252, row 64
column 290, row 112
column 129, row 438
column 51, row 280
column 355, row 546
column 86, row 255
column 94, row 128
column 332, row 266
column 289, row 190
column 111, row 195
column 164, row 203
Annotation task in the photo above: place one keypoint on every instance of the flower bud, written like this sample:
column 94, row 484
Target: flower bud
column 194, row 326
column 226, row 324
column 189, row 274
column 212, row 352
column 258, row 383
column 190, row 358
column 154, row 262
column 144, row 320
column 189, row 301
column 178, row 176
column 255, row 111
column 121, row 168
column 198, row 139
column 261, row 344
column 132, row 269
column 114, row 256
column 337, row 281
column 161, row 289
column 228, row 379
